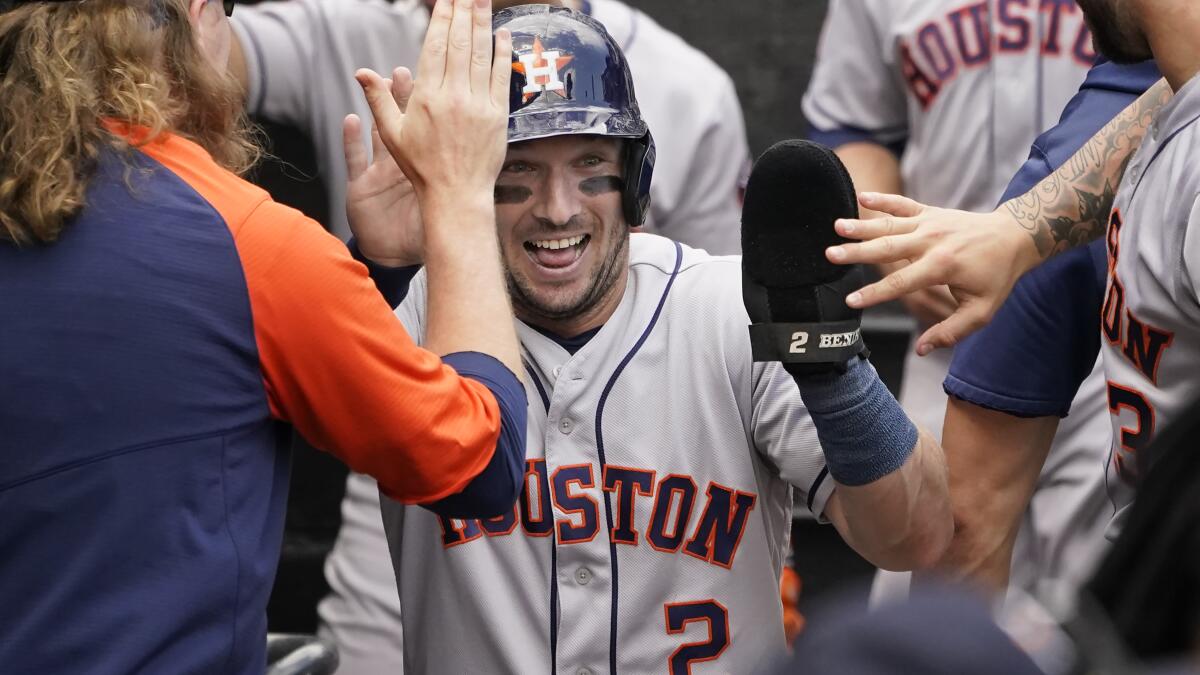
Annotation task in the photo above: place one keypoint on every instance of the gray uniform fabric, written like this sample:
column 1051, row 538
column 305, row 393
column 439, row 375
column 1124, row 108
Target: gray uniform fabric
column 965, row 89
column 1151, row 317
column 687, row 408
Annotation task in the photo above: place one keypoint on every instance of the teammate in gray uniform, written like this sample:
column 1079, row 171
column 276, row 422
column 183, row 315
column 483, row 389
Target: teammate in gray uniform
column 1150, row 325
column 898, row 108
column 662, row 459
column 296, row 60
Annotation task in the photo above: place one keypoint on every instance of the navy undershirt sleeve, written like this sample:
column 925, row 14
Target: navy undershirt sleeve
column 1030, row 360
column 495, row 490
column 392, row 282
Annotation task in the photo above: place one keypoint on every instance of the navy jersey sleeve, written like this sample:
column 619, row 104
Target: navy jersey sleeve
column 1030, row 360
column 392, row 282
column 496, row 488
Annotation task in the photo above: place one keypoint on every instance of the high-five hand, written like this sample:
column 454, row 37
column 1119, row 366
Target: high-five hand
column 451, row 139
column 978, row 255
column 381, row 204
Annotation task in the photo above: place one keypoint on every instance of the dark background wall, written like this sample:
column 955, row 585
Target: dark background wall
column 767, row 47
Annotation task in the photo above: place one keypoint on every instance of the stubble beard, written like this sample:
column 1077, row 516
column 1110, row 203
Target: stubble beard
column 1114, row 34
column 603, row 280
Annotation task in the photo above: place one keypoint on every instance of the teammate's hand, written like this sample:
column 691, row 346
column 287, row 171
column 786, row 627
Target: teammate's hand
column 978, row 255
column 930, row 306
column 451, row 140
column 381, row 204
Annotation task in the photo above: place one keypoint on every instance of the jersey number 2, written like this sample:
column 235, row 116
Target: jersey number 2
column 799, row 339
column 679, row 615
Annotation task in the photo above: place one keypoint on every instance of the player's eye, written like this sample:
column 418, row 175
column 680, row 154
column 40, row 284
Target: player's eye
column 517, row 167
column 591, row 161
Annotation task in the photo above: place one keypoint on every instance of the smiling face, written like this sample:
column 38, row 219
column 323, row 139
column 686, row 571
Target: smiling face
column 562, row 231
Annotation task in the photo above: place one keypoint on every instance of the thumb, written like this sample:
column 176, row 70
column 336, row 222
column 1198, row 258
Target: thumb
column 955, row 328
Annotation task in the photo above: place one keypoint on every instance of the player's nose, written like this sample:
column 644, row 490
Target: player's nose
column 559, row 201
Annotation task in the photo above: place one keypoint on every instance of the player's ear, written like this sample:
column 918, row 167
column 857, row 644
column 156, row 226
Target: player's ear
column 195, row 10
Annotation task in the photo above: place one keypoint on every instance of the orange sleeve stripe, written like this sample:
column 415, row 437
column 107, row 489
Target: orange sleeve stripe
column 336, row 361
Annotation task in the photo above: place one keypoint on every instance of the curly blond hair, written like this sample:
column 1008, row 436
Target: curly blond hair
column 69, row 68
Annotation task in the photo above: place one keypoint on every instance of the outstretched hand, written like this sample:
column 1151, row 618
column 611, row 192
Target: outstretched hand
column 451, row 140
column 979, row 256
column 381, row 203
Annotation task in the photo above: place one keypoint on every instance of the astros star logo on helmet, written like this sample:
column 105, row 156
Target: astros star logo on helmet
column 541, row 67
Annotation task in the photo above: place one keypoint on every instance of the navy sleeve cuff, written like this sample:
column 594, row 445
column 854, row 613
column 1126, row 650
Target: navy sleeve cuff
column 838, row 136
column 1041, row 345
column 495, row 489
column 392, row 282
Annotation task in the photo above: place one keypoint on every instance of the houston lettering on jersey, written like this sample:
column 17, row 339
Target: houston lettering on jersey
column 1140, row 343
column 707, row 526
column 963, row 39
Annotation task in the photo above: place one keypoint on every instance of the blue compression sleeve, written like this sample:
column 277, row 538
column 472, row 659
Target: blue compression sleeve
column 495, row 489
column 863, row 430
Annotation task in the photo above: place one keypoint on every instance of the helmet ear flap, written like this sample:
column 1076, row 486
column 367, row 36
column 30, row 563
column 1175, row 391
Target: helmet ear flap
column 639, row 169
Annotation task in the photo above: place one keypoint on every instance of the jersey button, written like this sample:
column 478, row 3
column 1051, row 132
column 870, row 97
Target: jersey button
column 583, row 671
column 566, row 426
column 557, row 371
column 583, row 575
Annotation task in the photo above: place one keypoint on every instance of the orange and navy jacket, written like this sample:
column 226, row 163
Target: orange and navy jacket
column 150, row 363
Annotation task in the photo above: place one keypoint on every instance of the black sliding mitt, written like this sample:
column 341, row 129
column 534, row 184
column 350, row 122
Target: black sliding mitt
column 795, row 297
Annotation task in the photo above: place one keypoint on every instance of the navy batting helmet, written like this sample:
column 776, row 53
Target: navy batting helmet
column 570, row 77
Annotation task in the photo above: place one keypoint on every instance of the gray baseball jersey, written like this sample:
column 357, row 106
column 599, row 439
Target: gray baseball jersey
column 1150, row 323
column 301, row 56
column 657, row 505
column 960, row 91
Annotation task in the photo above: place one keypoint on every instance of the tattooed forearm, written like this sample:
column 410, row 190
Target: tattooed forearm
column 1071, row 206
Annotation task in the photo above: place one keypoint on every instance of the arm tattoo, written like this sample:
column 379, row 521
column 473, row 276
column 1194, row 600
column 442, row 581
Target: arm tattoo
column 1071, row 206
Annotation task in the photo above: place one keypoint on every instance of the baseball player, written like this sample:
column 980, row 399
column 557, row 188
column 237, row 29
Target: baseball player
column 296, row 60
column 1073, row 206
column 652, row 527
column 899, row 108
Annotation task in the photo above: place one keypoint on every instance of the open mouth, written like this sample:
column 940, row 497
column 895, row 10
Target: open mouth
column 557, row 253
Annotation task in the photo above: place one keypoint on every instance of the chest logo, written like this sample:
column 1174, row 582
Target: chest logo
column 676, row 515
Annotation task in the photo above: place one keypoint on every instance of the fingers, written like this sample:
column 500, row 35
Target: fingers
column 873, row 228
column 960, row 324
column 458, row 53
column 896, row 205
column 379, row 150
column 903, row 281
column 352, row 145
column 402, row 87
column 501, row 68
column 388, row 118
column 431, row 66
column 481, row 47
column 876, row 251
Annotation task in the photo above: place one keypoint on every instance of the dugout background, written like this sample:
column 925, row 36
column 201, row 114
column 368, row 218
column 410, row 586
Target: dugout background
column 767, row 47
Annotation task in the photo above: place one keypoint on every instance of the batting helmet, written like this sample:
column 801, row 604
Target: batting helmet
column 570, row 77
